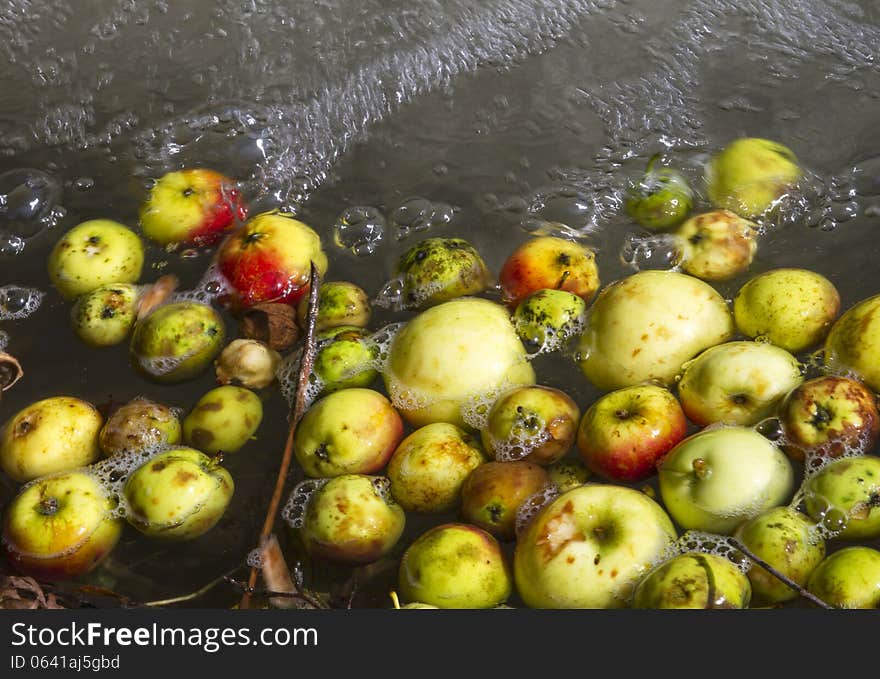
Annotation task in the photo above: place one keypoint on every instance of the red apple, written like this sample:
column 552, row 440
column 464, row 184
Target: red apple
column 549, row 263
column 268, row 259
column 194, row 206
column 624, row 434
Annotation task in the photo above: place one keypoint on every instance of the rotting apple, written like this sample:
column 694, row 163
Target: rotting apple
column 694, row 580
column 224, row 420
column 105, row 316
column 339, row 303
column 269, row 259
column 51, row 435
column 625, row 433
column 717, row 478
column 194, row 206
column 828, row 416
column 247, row 363
column 548, row 320
column 645, row 326
column 717, row 245
column 548, row 262
column 844, row 496
column 137, row 426
column 737, row 383
column 848, row 578
column 60, row 526
column 853, row 344
column 437, row 270
column 589, row 547
column 493, row 492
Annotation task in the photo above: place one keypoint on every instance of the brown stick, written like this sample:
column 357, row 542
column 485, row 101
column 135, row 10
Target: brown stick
column 299, row 406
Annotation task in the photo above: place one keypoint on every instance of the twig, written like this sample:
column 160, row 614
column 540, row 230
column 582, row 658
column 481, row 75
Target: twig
column 192, row 595
column 299, row 406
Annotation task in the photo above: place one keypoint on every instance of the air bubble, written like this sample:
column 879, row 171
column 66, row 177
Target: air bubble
column 4, row 340
column 701, row 542
column 416, row 214
column 11, row 244
column 294, row 510
column 360, row 229
column 212, row 286
column 255, row 558
column 18, row 302
column 84, row 184
column 534, row 504
column 659, row 251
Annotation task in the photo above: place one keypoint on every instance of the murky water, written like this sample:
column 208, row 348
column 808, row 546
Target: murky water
column 384, row 121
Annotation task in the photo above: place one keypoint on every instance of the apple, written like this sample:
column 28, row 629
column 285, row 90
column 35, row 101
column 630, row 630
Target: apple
column 452, row 355
column 60, row 527
column 105, row 316
column 694, row 580
column 551, row 263
column 853, row 344
column 343, row 359
column 716, row 246
column 848, row 578
column 51, row 435
column 789, row 542
column 224, row 420
column 661, row 199
column 791, row 308
column 179, row 494
column 737, row 383
column 493, row 492
column 139, row 425
column 430, row 466
column 829, row 416
column 548, row 319
column 568, row 473
column 844, row 496
column 247, row 363
column 95, row 253
column 269, row 259
column 455, row 565
column 718, row 478
column 532, row 423
column 339, row 303
column 645, row 326
column 750, row 175
column 195, row 206
column 352, row 519
column 177, row 341
column 589, row 547
column 439, row 269
column 351, row 431
column 624, row 434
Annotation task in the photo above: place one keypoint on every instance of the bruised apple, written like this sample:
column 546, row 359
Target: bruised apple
column 716, row 245
column 493, row 492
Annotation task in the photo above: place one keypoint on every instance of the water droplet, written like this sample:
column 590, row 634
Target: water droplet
column 84, row 184
column 416, row 214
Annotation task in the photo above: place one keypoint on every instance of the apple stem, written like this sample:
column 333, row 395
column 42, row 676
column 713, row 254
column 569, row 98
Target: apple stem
column 48, row 506
column 779, row 576
column 701, row 469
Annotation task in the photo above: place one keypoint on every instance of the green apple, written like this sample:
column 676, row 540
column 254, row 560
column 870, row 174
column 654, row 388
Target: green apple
column 439, row 269
column 829, row 416
column 95, row 253
column 179, row 494
column 105, row 316
column 344, row 359
column 339, row 303
column 645, row 326
column 589, row 547
column 853, row 344
column 737, row 383
column 177, row 341
column 51, row 435
column 750, row 175
column 455, row 565
column 548, row 319
column 844, row 496
column 791, row 308
column 661, row 199
column 450, row 355
column 718, row 478
column 716, row 246
column 60, row 527
column 568, row 473
column 430, row 466
column 138, row 426
column 352, row 519
column 694, row 580
column 195, row 206
column 224, row 420
column 247, row 363
column 533, row 423
column 848, row 578
column 493, row 492
column 351, row 431
column 789, row 542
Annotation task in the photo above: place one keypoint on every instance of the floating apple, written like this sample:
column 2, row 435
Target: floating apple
column 716, row 479
column 661, row 199
column 549, row 319
column 848, row 578
column 645, row 326
column 532, row 423
column 60, row 527
column 269, row 259
column 550, row 263
column 624, row 434
column 339, row 303
column 845, row 497
column 568, row 473
column 247, row 363
column 853, row 344
column 750, row 175
column 718, row 245
column 791, row 308
column 95, row 253
column 351, row 431
column 344, row 359
column 694, row 580
column 137, row 426
column 224, row 420
column 105, row 316
column 439, row 269
column 493, row 492
column 455, row 565
column 828, row 416
column 51, row 435
column 589, row 547
column 451, row 354
column 737, row 383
